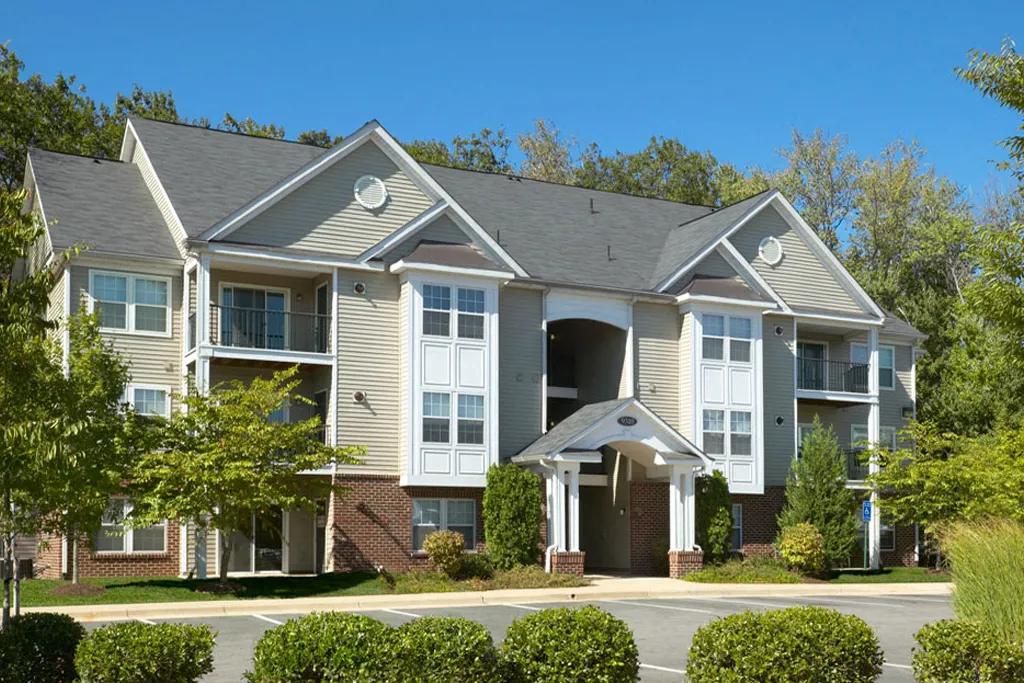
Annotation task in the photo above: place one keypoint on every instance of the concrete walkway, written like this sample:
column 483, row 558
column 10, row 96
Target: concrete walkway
column 602, row 589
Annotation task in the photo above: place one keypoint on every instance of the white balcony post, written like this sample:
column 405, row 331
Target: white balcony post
column 202, row 323
column 874, row 434
column 574, row 509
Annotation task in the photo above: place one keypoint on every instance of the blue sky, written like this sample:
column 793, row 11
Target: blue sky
column 730, row 77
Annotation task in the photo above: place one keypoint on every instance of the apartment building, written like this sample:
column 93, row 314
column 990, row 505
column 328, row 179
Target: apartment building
column 449, row 320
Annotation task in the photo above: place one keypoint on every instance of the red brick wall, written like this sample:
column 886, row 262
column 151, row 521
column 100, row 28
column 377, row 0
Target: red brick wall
column 760, row 520
column 568, row 563
column 903, row 556
column 684, row 562
column 46, row 564
column 648, row 523
column 114, row 565
column 372, row 522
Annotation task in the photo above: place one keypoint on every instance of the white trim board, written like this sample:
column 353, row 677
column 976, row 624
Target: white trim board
column 160, row 186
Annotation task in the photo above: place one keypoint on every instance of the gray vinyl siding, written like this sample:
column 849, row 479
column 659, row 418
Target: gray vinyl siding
column 151, row 359
column 777, row 374
column 323, row 214
column 443, row 229
column 163, row 202
column 520, row 371
column 840, row 417
column 892, row 402
column 686, row 377
column 55, row 307
column 224, row 373
column 656, row 329
column 404, row 376
column 714, row 265
column 800, row 278
column 369, row 358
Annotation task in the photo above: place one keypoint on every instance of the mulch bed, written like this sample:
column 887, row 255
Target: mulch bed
column 83, row 590
column 218, row 588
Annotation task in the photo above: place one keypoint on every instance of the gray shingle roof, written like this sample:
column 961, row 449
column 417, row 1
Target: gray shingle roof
column 103, row 204
column 573, row 425
column 208, row 174
column 563, row 233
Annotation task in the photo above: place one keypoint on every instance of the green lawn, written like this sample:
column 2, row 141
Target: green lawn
column 890, row 575
column 36, row 592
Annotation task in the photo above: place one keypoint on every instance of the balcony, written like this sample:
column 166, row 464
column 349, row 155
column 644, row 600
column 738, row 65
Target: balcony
column 857, row 468
column 831, row 376
column 273, row 330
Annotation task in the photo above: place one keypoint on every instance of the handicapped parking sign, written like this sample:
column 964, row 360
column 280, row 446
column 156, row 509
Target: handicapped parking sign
column 866, row 511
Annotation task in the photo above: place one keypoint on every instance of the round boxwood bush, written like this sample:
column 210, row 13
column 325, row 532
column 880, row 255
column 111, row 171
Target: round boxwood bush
column 39, row 648
column 961, row 651
column 803, row 548
column 133, row 652
column 794, row 645
column 444, row 649
column 444, row 548
column 325, row 647
column 567, row 644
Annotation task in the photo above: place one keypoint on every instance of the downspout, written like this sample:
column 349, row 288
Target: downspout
column 550, row 548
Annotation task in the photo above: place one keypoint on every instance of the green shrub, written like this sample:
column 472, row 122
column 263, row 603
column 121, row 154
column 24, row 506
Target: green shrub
column 987, row 561
column 565, row 645
column 445, row 649
column 513, row 503
column 957, row 651
column 39, row 648
column 794, row 645
column 475, row 566
column 325, row 647
column 747, row 570
column 714, row 517
column 660, row 549
column 133, row 652
column 803, row 548
column 445, row 548
column 534, row 576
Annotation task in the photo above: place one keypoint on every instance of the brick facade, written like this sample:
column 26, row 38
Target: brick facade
column 760, row 520
column 902, row 556
column 372, row 522
column 113, row 565
column 648, row 526
column 46, row 564
column 568, row 563
column 684, row 562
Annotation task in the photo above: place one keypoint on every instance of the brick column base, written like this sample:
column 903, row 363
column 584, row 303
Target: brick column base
column 684, row 562
column 568, row 563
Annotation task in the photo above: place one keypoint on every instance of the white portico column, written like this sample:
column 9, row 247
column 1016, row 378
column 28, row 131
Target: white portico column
column 874, row 434
column 573, row 530
column 556, row 509
column 681, row 508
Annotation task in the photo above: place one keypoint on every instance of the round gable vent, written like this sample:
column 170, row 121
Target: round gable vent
column 370, row 192
column 770, row 250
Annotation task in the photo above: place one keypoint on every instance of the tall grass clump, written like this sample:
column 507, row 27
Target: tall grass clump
column 987, row 559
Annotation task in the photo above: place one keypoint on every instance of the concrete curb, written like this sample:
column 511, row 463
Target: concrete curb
column 603, row 589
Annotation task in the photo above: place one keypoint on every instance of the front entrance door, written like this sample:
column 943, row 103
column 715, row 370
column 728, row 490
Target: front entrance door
column 812, row 365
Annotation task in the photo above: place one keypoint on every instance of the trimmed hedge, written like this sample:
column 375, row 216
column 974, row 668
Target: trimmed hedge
column 794, row 645
column 325, row 647
column 39, row 648
column 960, row 651
column 714, row 517
column 133, row 652
column 513, row 513
column 566, row 645
column 445, row 649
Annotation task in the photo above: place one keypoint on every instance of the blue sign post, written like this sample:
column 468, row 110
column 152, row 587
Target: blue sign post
column 865, row 515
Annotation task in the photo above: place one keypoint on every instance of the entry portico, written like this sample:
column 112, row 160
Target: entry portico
column 633, row 430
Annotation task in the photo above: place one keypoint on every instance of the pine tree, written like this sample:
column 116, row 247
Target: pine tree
column 816, row 493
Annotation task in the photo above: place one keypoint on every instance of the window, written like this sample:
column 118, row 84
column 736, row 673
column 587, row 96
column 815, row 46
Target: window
column 131, row 303
column 803, row 431
column 471, row 313
column 739, row 340
column 713, row 344
column 436, row 417
column 440, row 514
column 437, row 305
column 112, row 537
column 739, row 432
column 737, row 526
column 148, row 401
column 886, row 437
column 886, row 537
column 471, row 419
column 714, row 432
column 886, row 362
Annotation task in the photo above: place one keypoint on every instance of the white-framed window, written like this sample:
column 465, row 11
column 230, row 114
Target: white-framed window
column 471, row 419
column 714, row 432
column 443, row 514
column 149, row 399
column 471, row 313
column 739, row 432
column 713, row 341
column 437, row 306
column 886, row 436
column 716, row 338
column 737, row 526
column 114, row 538
column 126, row 302
column 437, row 413
column 886, row 362
column 803, row 431
column 739, row 441
column 886, row 537
column 740, row 333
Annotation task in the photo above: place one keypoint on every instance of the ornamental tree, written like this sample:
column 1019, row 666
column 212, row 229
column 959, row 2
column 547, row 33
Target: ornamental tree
column 220, row 460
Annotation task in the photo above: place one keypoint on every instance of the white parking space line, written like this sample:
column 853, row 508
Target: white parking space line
column 512, row 604
column 404, row 614
column 656, row 606
column 897, row 666
column 145, row 621
column 937, row 601
column 662, row 668
column 266, row 618
column 748, row 603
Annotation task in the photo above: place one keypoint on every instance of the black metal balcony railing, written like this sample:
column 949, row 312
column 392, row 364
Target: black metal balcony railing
column 250, row 328
column 191, row 331
column 831, row 375
column 857, row 468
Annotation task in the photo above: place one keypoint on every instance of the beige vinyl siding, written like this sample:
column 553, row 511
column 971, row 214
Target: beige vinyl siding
column 211, row 551
column 55, row 307
column 163, row 202
column 686, row 377
column 520, row 370
column 151, row 359
column 369, row 358
column 777, row 373
column 442, row 229
column 298, row 287
column 224, row 372
column 404, row 376
column 714, row 265
column 323, row 214
column 800, row 278
column 656, row 329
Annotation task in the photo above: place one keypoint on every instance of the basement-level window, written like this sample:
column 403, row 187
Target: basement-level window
column 443, row 514
column 114, row 537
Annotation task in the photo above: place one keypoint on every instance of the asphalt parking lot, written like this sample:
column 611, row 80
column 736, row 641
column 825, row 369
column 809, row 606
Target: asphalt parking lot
column 663, row 628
